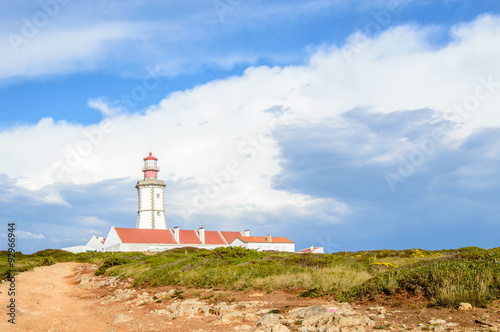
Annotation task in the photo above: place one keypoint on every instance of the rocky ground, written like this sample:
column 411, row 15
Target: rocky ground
column 68, row 297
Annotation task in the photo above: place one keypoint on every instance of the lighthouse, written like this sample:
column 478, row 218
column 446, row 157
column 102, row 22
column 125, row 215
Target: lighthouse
column 151, row 214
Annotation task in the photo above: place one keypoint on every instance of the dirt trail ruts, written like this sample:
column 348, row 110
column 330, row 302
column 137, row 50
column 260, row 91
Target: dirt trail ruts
column 48, row 299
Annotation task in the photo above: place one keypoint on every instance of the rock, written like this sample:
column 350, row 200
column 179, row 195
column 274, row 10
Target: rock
column 345, row 309
column 120, row 318
column 251, row 318
column 343, row 321
column 307, row 312
column 465, row 306
column 320, row 319
column 436, row 322
column 353, row 329
column 161, row 295
column 242, row 328
column 269, row 319
column 256, row 295
column 308, row 329
column 380, row 310
column 330, row 329
column 231, row 317
column 280, row 328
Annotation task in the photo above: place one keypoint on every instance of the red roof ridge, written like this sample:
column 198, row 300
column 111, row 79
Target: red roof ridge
column 264, row 239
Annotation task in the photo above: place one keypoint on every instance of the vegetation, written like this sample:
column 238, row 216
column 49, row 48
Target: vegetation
column 444, row 278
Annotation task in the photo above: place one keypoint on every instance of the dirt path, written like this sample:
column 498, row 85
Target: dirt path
column 49, row 300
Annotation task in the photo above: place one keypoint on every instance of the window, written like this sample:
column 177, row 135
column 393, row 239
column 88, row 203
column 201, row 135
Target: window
column 158, row 213
column 157, row 195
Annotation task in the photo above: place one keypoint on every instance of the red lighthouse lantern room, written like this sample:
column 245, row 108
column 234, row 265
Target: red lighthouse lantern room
column 150, row 168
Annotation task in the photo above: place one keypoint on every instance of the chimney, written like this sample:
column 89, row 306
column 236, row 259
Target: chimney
column 246, row 232
column 269, row 238
column 311, row 247
column 176, row 234
column 201, row 233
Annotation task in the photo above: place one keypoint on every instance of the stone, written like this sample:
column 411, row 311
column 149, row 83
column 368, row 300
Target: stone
column 353, row 329
column 256, row 295
column 280, row 328
column 307, row 311
column 307, row 329
column 269, row 319
column 320, row 319
column 120, row 318
column 465, row 306
column 437, row 322
column 251, row 318
column 344, row 321
column 232, row 317
column 329, row 329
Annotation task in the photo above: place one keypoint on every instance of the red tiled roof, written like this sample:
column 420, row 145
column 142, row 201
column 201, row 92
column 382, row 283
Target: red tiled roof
column 136, row 235
column 308, row 249
column 214, row 237
column 166, row 236
column 188, row 237
column 230, row 236
column 103, row 240
column 263, row 239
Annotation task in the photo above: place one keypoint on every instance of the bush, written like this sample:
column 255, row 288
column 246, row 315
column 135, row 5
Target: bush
column 445, row 283
column 113, row 261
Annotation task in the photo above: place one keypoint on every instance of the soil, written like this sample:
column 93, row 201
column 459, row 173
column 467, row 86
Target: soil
column 49, row 298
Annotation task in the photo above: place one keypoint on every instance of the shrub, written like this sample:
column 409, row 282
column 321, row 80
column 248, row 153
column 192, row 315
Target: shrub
column 113, row 261
column 446, row 282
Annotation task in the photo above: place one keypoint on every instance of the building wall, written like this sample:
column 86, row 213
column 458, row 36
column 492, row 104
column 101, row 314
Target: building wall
column 127, row 247
column 95, row 243
column 78, row 249
column 111, row 239
column 151, row 213
column 290, row 247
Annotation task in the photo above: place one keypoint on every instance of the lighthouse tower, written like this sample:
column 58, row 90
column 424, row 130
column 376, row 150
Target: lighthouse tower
column 151, row 212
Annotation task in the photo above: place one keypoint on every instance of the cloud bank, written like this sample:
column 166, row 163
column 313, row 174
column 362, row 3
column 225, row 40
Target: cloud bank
column 286, row 147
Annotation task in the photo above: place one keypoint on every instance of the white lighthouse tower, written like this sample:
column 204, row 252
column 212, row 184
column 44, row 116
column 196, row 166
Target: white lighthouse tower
column 151, row 212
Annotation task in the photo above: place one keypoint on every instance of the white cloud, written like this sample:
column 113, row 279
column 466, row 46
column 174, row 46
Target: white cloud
column 92, row 221
column 63, row 50
column 102, row 106
column 219, row 137
column 29, row 235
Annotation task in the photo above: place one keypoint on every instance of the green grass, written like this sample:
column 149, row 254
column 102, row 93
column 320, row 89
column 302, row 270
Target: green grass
column 468, row 275
column 445, row 278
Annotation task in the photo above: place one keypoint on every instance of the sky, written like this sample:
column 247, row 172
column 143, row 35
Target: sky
column 352, row 125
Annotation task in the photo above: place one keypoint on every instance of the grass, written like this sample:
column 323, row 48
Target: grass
column 445, row 277
column 469, row 275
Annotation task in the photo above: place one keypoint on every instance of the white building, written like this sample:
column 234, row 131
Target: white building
column 134, row 239
column 94, row 244
column 313, row 250
column 151, row 232
column 151, row 213
column 264, row 243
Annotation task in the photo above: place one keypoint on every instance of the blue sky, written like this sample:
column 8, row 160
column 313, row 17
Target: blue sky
column 354, row 125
